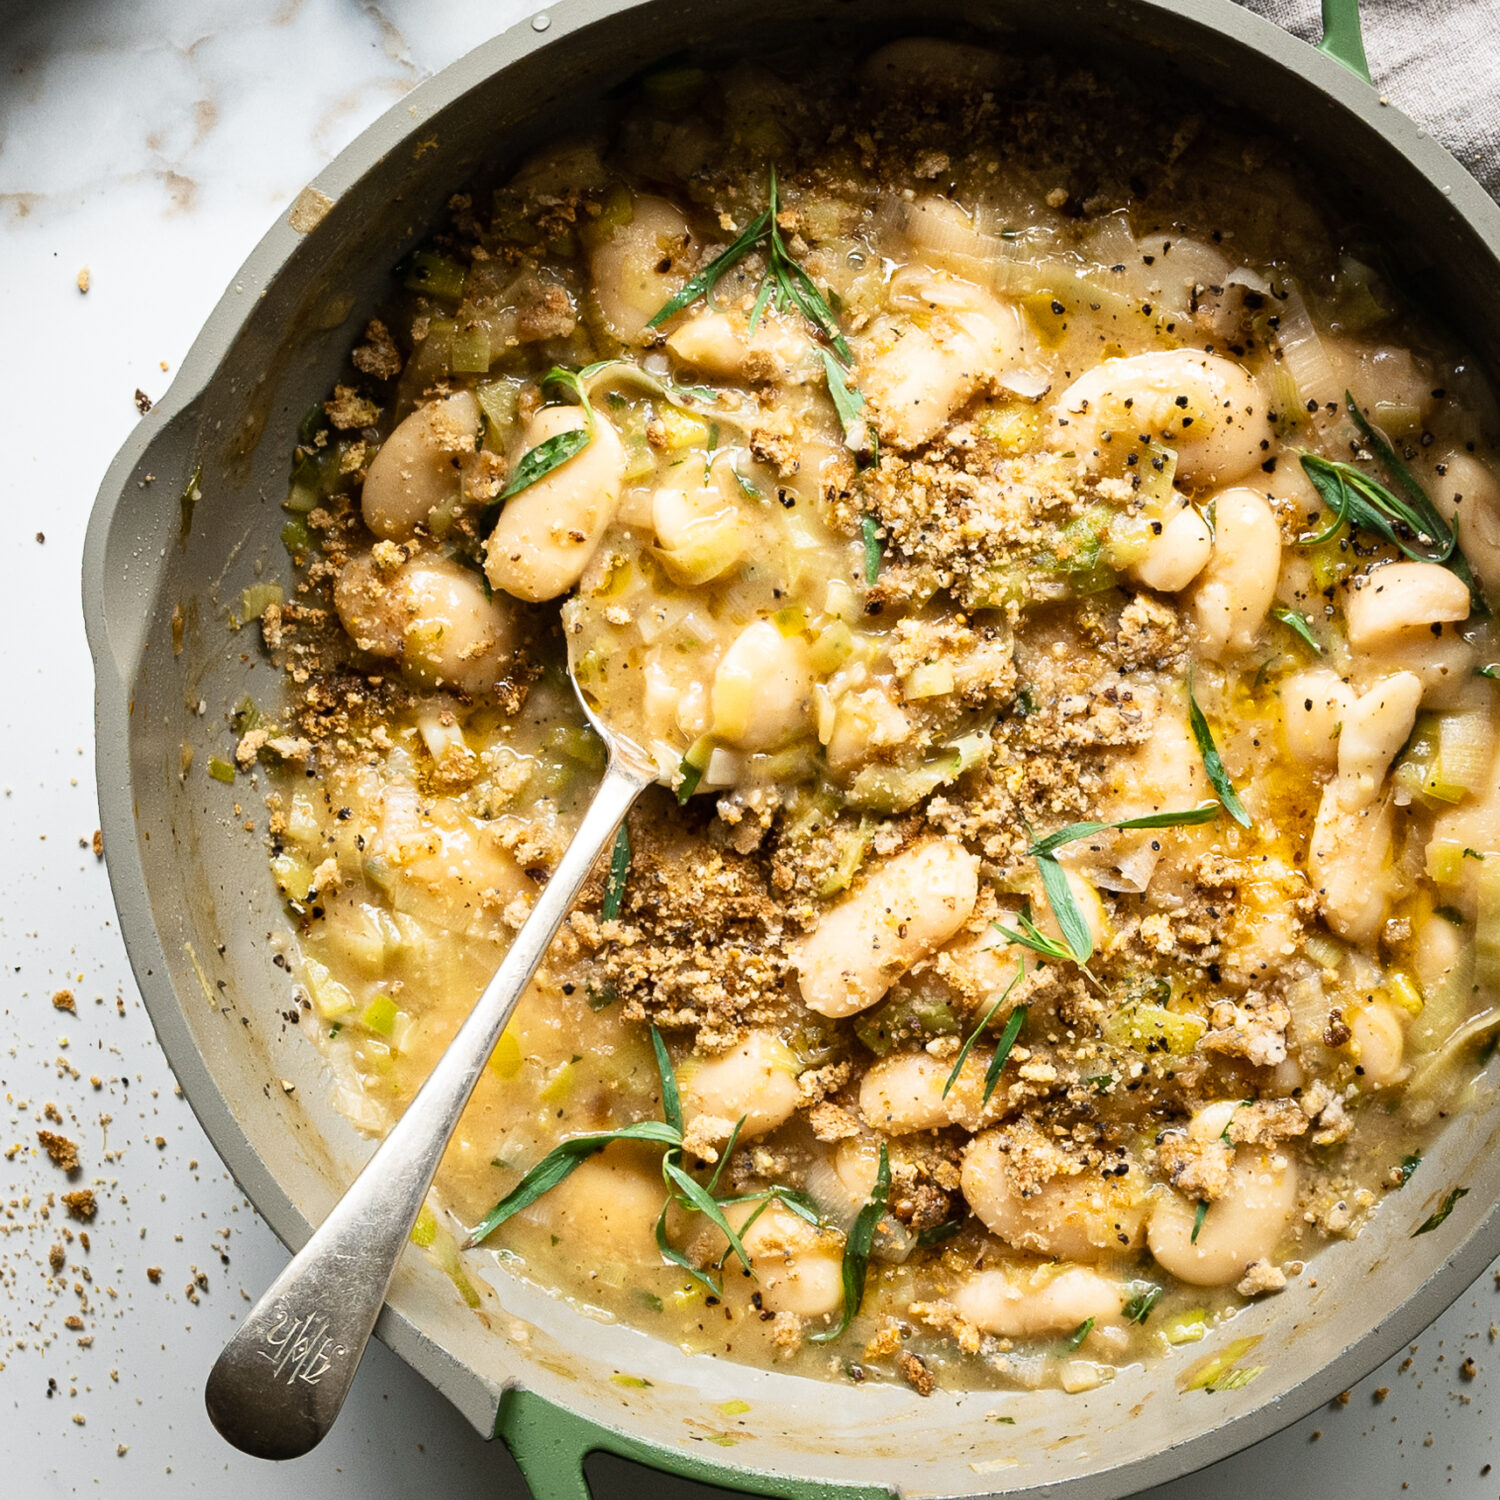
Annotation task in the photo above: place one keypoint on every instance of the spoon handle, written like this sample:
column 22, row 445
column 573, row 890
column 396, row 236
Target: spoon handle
column 279, row 1384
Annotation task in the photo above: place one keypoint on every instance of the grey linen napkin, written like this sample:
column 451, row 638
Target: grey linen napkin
column 1437, row 60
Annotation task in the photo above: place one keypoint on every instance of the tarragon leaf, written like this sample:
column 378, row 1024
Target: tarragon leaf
column 927, row 1238
column 1413, row 507
column 1326, row 478
column 850, row 406
column 536, row 463
column 1031, row 936
column 1138, row 1309
column 671, row 1099
column 1212, row 762
column 810, row 302
column 561, row 1162
column 1298, row 625
column 1065, row 908
column 1079, row 1334
column 726, row 1153
column 1205, row 812
column 703, row 283
column 699, row 1197
column 857, row 1248
column 674, row 1256
column 762, row 298
column 1441, row 1213
column 1013, row 1025
column 874, row 550
column 1408, row 520
column 797, row 1203
column 619, row 872
column 989, row 1015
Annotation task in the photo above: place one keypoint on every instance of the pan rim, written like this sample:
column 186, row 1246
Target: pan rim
column 477, row 1397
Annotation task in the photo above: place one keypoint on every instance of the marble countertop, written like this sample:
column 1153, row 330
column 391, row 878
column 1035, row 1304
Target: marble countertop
column 151, row 144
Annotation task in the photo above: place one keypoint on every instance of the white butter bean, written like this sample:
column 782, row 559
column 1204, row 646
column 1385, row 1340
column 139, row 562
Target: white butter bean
column 903, row 1093
column 442, row 866
column 1469, row 491
column 799, row 1268
column 1178, row 555
column 1085, row 1216
column 755, row 1080
column 1018, row 1303
column 929, row 64
column 763, row 689
column 1379, row 1040
column 918, row 369
column 431, row 615
column 1242, row 1226
column 640, row 267
column 700, row 532
column 1206, row 407
column 419, row 466
column 1239, row 584
column 546, row 534
column 1314, row 704
column 606, row 1209
column 907, row 907
column 1401, row 597
column 1375, row 726
column 720, row 343
column 454, row 635
column 1349, row 864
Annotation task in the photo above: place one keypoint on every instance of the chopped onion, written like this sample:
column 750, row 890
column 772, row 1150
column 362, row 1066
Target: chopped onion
column 1112, row 244
column 1302, row 351
column 1179, row 267
column 915, row 289
column 725, row 768
column 930, row 680
column 1245, row 277
column 1132, row 871
column 1308, row 1002
column 893, row 1242
column 1018, row 264
column 1463, row 758
column 945, row 232
column 1328, row 953
column 1447, row 1002
column 826, row 1188
column 440, row 737
column 1030, row 382
column 1436, row 1069
column 1487, row 927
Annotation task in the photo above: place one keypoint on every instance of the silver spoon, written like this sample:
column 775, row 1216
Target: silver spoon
column 280, row 1383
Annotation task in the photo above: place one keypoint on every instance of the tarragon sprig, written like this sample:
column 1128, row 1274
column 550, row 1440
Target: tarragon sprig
column 785, row 287
column 536, row 463
column 1012, row 1030
column 1401, row 512
column 1213, row 763
column 1071, row 923
column 688, row 1193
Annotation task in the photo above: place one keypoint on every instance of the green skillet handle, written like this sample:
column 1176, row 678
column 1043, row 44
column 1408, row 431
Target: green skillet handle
column 550, row 1445
column 1341, row 37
